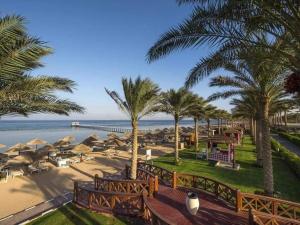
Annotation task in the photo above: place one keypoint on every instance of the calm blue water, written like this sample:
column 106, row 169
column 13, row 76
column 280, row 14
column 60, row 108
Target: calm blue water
column 16, row 131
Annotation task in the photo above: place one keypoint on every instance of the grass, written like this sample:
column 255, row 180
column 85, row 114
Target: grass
column 248, row 179
column 71, row 215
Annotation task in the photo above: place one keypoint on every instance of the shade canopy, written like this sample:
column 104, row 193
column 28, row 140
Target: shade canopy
column 91, row 140
column 18, row 147
column 20, row 160
column 36, row 141
column 48, row 148
column 81, row 148
column 68, row 138
column 2, row 146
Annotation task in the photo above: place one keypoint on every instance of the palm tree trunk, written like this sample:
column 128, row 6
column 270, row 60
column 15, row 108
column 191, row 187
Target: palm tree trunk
column 285, row 118
column 196, row 134
column 221, row 126
column 176, row 140
column 134, row 150
column 267, row 152
column 259, row 152
column 208, row 127
column 219, row 130
column 254, row 130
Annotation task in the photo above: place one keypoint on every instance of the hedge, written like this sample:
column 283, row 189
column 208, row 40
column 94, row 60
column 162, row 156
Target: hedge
column 292, row 159
column 292, row 138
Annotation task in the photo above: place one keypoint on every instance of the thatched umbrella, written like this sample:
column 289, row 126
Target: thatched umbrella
column 36, row 142
column 2, row 146
column 17, row 148
column 68, row 138
column 91, row 140
column 20, row 160
column 81, row 149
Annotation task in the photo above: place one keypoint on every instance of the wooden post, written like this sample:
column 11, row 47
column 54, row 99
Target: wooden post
column 238, row 201
column 155, row 184
column 174, row 180
column 151, row 187
column 217, row 189
column 96, row 186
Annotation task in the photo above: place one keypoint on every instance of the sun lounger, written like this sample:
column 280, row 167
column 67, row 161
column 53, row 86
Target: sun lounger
column 32, row 169
column 16, row 173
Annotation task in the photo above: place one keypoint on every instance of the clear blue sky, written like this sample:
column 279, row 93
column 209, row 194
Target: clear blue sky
column 97, row 42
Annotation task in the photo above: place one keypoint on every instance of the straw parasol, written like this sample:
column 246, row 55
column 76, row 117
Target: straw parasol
column 68, row 138
column 81, row 149
column 17, row 148
column 20, row 160
column 36, row 142
column 91, row 140
column 2, row 146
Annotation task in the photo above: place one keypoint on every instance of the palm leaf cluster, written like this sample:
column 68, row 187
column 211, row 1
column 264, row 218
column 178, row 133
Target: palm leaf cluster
column 230, row 26
column 21, row 93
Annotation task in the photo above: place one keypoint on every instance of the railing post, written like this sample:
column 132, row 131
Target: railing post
column 174, row 180
column 238, row 200
column 151, row 187
column 96, row 180
column 113, row 201
column 155, row 184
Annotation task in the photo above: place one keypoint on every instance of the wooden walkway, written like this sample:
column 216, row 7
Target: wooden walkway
column 169, row 204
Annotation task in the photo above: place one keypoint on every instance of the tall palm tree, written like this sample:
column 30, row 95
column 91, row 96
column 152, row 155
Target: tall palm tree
column 197, row 112
column 230, row 25
column 177, row 103
column 141, row 97
column 209, row 114
column 21, row 93
column 260, row 79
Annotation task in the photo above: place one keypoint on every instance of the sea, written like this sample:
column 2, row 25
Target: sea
column 22, row 131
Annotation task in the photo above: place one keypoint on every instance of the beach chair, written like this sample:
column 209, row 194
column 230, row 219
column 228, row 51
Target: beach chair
column 33, row 169
column 16, row 173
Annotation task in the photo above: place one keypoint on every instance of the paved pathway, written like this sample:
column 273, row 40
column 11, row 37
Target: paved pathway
column 37, row 210
column 286, row 143
column 169, row 204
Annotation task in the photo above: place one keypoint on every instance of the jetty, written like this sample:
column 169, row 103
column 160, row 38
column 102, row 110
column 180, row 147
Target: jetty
column 107, row 128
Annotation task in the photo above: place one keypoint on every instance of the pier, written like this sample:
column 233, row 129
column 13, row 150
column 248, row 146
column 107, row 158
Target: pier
column 107, row 128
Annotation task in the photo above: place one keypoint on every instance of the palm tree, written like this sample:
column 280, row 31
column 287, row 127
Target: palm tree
column 21, row 93
column 197, row 111
column 208, row 115
column 260, row 79
column 230, row 25
column 178, row 103
column 141, row 98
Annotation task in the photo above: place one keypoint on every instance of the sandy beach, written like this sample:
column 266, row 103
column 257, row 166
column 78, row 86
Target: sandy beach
column 23, row 192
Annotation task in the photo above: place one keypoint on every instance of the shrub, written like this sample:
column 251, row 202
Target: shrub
column 292, row 159
column 292, row 138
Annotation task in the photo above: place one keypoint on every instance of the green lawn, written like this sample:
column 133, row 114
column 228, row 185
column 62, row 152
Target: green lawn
column 248, row 179
column 71, row 215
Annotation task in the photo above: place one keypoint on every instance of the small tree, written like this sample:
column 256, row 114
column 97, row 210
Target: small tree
column 178, row 103
column 140, row 99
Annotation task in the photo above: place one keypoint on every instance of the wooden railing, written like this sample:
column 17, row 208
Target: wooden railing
column 267, row 205
column 216, row 188
column 121, row 186
column 143, row 174
column 164, row 176
column 258, row 218
column 102, row 201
